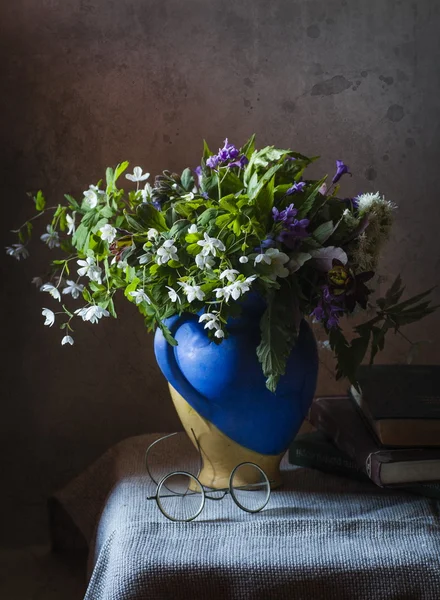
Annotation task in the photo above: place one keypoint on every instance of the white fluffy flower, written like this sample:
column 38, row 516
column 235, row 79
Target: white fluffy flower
column 50, row 316
column 92, row 313
column 243, row 259
column 193, row 228
column 172, row 294
column 70, row 220
column 204, row 261
column 230, row 274
column 167, row 252
column 137, row 175
column 67, row 339
column 262, row 258
column 74, row 289
column 51, row 238
column 210, row 245
column 192, row 292
column 90, row 269
column 53, row 291
column 17, row 251
column 108, row 233
column 140, row 296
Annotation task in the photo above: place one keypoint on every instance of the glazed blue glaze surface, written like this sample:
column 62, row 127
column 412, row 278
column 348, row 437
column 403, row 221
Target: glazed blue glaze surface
column 224, row 383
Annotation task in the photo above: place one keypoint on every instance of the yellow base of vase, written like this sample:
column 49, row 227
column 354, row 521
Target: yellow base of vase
column 221, row 454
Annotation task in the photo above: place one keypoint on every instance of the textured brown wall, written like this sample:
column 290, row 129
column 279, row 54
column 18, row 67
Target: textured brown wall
column 88, row 83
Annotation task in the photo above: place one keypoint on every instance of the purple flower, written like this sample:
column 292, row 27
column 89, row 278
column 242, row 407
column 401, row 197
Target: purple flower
column 296, row 231
column 341, row 169
column 285, row 216
column 296, row 187
column 328, row 310
column 268, row 242
column 241, row 162
column 198, row 174
column 212, row 161
column 228, row 152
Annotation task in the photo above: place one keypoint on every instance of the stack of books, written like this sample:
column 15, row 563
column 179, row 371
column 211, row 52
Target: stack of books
column 386, row 431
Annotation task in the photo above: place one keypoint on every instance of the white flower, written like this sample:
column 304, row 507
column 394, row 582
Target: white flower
column 173, row 295
column 146, row 192
column 145, row 258
column 50, row 316
column 189, row 196
column 167, row 252
column 243, row 259
column 51, row 237
column 322, row 258
column 209, row 245
column 204, row 262
column 37, row 281
column 262, row 258
column 137, row 175
column 70, row 220
column 297, row 260
column 92, row 313
column 219, row 333
column 18, row 251
column 91, row 198
column 230, row 274
column 108, row 233
column 235, row 289
column 192, row 291
column 276, row 260
column 53, row 291
column 90, row 269
column 73, row 288
column 212, row 320
column 140, row 296
column 152, row 234
column 67, row 339
column 193, row 229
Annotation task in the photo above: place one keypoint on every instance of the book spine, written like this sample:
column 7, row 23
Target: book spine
column 326, row 459
column 335, row 462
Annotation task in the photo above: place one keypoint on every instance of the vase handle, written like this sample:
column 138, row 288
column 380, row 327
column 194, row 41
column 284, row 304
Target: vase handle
column 167, row 362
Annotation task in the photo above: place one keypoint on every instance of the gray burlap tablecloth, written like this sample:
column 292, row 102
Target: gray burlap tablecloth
column 320, row 536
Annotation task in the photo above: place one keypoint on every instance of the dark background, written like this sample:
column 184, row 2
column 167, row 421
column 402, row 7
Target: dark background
column 90, row 83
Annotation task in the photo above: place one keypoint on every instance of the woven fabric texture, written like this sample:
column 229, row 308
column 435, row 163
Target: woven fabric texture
column 319, row 536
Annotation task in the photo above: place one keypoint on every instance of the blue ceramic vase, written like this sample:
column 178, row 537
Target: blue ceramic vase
column 219, row 392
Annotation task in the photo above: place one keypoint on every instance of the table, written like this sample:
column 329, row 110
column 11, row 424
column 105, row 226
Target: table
column 320, row 536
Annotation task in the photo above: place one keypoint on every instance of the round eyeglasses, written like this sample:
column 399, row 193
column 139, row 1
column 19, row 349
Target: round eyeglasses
column 180, row 495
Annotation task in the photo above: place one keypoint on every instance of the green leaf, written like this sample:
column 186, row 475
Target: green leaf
column 110, row 180
column 179, row 227
column 206, row 151
column 74, row 204
column 254, row 192
column 207, row 216
column 249, row 148
column 119, row 170
column 134, row 223
column 264, row 200
column 131, row 287
column 187, row 180
column 323, row 232
column 167, row 333
column 278, row 333
column 40, row 201
column 151, row 217
column 107, row 212
column 313, row 195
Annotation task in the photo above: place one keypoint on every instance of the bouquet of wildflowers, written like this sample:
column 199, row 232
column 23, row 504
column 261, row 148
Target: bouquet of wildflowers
column 244, row 220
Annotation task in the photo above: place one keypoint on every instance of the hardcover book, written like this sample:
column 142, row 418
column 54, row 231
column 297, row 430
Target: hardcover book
column 401, row 403
column 316, row 451
column 338, row 418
